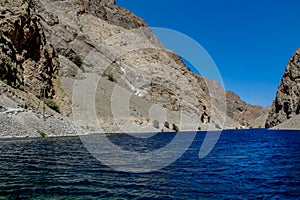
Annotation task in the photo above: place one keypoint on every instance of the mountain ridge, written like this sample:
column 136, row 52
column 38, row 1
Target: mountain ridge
column 87, row 39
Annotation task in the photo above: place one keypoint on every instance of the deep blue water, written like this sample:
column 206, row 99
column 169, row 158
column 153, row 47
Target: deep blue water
column 249, row 164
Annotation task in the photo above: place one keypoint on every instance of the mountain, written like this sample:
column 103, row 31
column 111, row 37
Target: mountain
column 247, row 115
column 91, row 66
column 286, row 106
column 242, row 113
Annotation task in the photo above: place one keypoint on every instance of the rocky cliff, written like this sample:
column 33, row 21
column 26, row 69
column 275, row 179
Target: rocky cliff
column 55, row 49
column 245, row 113
column 98, row 36
column 287, row 102
column 28, row 62
column 239, row 113
column 28, row 68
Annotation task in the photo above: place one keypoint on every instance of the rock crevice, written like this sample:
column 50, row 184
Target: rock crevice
column 28, row 62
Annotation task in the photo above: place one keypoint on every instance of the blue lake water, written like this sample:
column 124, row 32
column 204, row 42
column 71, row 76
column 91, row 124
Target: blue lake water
column 249, row 164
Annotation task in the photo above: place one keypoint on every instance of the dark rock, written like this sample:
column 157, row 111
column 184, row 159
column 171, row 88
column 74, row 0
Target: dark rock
column 2, row 109
column 28, row 61
column 287, row 101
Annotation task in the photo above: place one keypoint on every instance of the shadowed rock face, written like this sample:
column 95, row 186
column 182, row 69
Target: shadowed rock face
column 287, row 102
column 27, row 61
column 243, row 112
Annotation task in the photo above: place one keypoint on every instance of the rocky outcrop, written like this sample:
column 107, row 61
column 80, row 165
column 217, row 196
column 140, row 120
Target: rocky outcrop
column 287, row 102
column 108, row 11
column 290, row 124
column 28, row 61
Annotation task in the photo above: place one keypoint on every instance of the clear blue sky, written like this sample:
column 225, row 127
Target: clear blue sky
column 250, row 41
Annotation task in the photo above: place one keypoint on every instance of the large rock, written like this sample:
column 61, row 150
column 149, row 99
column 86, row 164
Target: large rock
column 287, row 102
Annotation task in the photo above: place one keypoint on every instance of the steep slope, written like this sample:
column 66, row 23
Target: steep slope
column 28, row 67
column 131, row 59
column 287, row 102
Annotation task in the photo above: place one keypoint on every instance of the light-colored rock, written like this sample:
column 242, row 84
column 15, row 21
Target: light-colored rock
column 290, row 124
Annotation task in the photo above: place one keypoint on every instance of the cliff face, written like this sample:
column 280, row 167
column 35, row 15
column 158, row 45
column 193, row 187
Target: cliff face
column 28, row 66
column 287, row 102
column 28, row 61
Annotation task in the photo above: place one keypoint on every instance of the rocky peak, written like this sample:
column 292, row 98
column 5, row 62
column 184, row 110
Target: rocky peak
column 287, row 102
column 96, row 3
column 107, row 10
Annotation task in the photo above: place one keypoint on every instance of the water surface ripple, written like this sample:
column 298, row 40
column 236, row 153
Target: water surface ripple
column 249, row 164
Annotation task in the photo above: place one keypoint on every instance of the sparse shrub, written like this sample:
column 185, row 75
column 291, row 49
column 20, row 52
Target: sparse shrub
column 21, row 87
column 156, row 124
column 111, row 77
column 218, row 126
column 175, row 128
column 43, row 134
column 52, row 104
column 199, row 128
column 151, row 84
column 77, row 60
column 167, row 125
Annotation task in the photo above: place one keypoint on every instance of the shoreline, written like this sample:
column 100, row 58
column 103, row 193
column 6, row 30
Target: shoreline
column 93, row 134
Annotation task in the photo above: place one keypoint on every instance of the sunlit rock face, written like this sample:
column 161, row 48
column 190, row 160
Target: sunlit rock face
column 287, row 102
